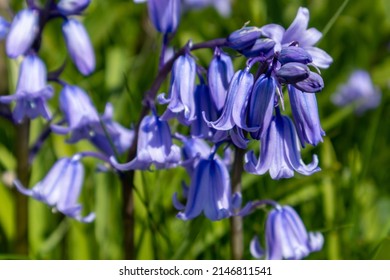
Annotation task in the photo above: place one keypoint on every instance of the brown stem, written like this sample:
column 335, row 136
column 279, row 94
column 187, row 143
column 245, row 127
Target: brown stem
column 236, row 237
column 23, row 174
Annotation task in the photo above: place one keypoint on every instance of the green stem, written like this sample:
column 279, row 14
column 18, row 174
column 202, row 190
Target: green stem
column 237, row 238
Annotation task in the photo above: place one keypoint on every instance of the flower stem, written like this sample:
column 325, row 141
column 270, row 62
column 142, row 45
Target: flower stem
column 127, row 179
column 237, row 238
column 23, row 174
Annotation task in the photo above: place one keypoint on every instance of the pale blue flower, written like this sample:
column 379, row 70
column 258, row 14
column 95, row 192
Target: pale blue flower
column 32, row 91
column 61, row 188
column 165, row 14
column 209, row 192
column 22, row 33
column 280, row 152
column 359, row 91
column 79, row 46
column 286, row 237
column 154, row 146
column 80, row 115
column 181, row 93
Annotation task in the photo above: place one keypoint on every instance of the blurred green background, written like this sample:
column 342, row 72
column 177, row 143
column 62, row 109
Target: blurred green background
column 348, row 201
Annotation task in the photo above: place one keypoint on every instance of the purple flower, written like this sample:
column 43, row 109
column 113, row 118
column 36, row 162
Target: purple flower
column 79, row 46
column 298, row 34
column 287, row 237
column 80, row 114
column 31, row 92
column 61, row 188
column 244, row 38
column 219, row 74
column 203, row 103
column 72, row 7
column 181, row 94
column 280, row 152
column 154, row 146
column 234, row 111
column 164, row 14
column 359, row 91
column 209, row 192
column 261, row 105
column 119, row 137
column 22, row 33
column 306, row 119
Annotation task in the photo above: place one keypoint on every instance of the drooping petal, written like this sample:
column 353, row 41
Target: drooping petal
column 305, row 112
column 219, row 75
column 280, row 152
column 261, row 105
column 263, row 47
column 61, row 188
column 209, row 191
column 80, row 114
column 32, row 91
column 79, row 46
column 22, row 33
column 154, row 146
column 181, row 94
column 204, row 103
column 234, row 110
column 255, row 248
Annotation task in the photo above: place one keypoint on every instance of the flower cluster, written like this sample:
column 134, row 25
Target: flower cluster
column 222, row 108
column 23, row 39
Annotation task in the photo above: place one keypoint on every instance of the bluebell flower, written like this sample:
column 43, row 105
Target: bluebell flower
column 181, row 93
column 165, row 14
column 286, row 237
column 72, row 7
column 80, row 114
column 261, row 105
column 280, row 152
column 32, row 91
column 300, row 35
column 203, row 103
column 222, row 6
column 244, row 38
column 154, row 146
column 359, row 91
column 209, row 192
column 79, row 46
column 22, row 33
column 120, row 137
column 4, row 28
column 61, row 188
column 292, row 72
column 234, row 111
column 219, row 75
column 305, row 113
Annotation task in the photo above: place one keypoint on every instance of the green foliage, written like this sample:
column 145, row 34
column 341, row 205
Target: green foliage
column 348, row 201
